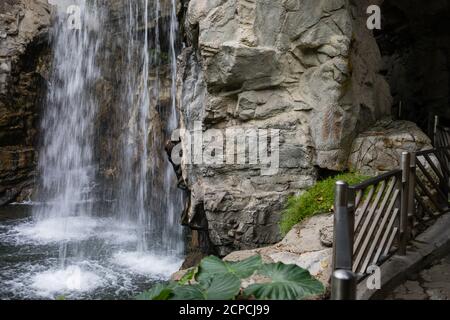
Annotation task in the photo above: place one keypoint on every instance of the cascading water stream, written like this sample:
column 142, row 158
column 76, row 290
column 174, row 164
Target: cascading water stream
column 88, row 243
column 67, row 169
column 152, row 195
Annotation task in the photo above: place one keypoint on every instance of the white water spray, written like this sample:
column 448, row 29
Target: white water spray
column 147, row 200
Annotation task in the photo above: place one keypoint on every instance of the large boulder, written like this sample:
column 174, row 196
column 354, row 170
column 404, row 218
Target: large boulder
column 304, row 246
column 379, row 149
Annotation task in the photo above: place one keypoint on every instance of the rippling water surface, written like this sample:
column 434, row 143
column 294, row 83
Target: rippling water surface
column 30, row 267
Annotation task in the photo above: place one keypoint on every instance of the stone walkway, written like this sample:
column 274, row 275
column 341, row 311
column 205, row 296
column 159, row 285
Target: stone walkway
column 430, row 284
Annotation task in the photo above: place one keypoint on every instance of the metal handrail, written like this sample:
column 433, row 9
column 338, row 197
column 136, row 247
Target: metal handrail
column 376, row 218
column 371, row 181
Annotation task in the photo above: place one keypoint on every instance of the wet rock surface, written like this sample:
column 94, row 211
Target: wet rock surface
column 24, row 56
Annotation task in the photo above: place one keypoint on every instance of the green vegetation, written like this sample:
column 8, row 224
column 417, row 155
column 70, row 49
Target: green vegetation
column 318, row 199
column 215, row 279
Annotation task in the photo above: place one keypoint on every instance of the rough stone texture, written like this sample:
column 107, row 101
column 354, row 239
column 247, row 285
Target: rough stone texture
column 301, row 246
column 23, row 59
column 379, row 149
column 312, row 73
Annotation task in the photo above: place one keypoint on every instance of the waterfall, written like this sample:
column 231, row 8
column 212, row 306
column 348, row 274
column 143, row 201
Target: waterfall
column 66, row 165
column 136, row 225
column 152, row 195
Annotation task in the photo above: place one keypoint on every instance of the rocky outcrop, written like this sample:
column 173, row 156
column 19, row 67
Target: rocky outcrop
column 307, row 245
column 23, row 60
column 304, row 246
column 379, row 149
column 306, row 69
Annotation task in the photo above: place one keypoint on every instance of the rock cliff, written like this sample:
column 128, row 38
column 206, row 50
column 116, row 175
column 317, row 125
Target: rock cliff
column 307, row 68
column 23, row 60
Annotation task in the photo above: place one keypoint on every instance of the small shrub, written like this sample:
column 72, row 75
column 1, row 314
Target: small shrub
column 318, row 199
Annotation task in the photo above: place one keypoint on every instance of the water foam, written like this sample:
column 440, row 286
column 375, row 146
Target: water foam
column 58, row 229
column 60, row 281
column 147, row 264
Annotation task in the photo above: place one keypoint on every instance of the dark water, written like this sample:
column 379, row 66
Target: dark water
column 30, row 267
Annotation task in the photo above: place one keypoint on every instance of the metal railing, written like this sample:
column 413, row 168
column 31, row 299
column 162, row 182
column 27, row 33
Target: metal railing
column 375, row 219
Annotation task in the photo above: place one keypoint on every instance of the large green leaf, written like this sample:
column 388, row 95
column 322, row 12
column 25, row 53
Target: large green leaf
column 220, row 287
column 213, row 266
column 157, row 292
column 189, row 292
column 190, row 275
column 288, row 282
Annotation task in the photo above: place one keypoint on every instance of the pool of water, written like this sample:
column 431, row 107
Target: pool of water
column 102, row 261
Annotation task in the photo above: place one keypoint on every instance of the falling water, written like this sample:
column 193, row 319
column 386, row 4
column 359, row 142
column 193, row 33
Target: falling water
column 135, row 237
column 67, row 169
column 151, row 195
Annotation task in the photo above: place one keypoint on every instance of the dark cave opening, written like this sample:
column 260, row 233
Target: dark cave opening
column 415, row 45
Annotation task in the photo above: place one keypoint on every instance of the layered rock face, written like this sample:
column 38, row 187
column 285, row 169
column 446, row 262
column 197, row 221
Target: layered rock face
column 23, row 69
column 307, row 68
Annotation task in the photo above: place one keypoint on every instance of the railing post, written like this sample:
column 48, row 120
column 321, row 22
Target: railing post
column 412, row 189
column 343, row 285
column 343, row 282
column 435, row 131
column 405, row 198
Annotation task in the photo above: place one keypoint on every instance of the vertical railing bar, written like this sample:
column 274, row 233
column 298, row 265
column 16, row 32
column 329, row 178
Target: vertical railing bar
column 430, row 180
column 406, row 165
column 343, row 285
column 359, row 195
column 387, row 231
column 342, row 258
column 364, row 208
column 411, row 190
column 362, row 232
column 379, row 213
column 435, row 169
column 380, row 230
column 343, row 280
column 390, row 242
column 435, row 129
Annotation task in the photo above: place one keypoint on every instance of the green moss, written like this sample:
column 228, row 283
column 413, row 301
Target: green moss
column 318, row 199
